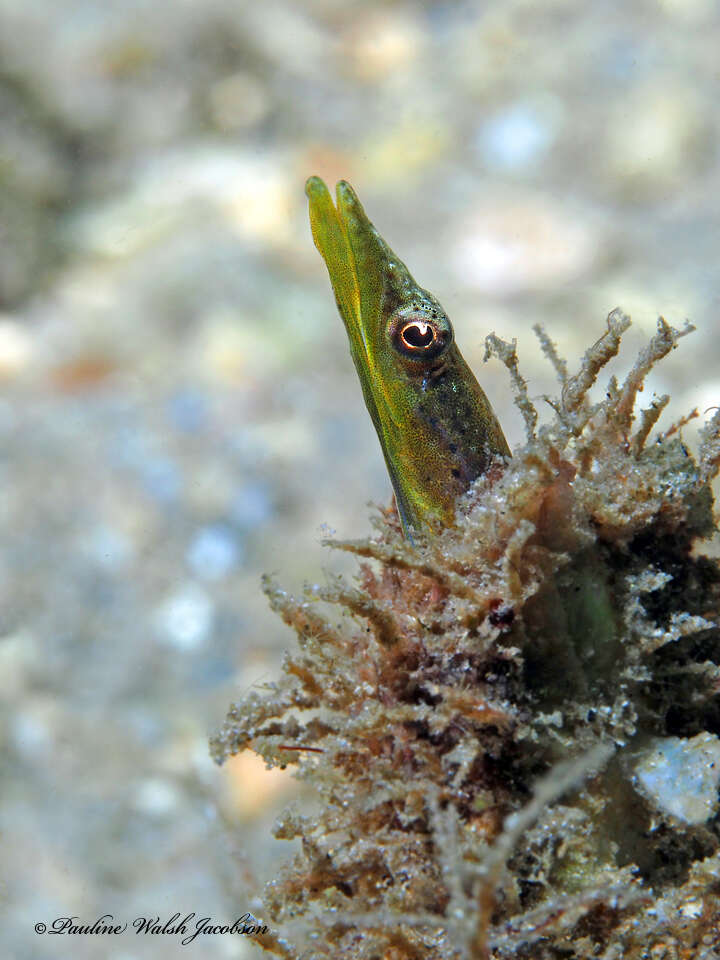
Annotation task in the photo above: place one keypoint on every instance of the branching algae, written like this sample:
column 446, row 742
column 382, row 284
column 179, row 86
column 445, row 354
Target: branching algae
column 514, row 732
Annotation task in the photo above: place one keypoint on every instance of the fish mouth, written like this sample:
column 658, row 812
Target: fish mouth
column 369, row 281
column 360, row 265
column 338, row 231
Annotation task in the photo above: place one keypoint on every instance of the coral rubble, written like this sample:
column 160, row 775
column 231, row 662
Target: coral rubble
column 487, row 727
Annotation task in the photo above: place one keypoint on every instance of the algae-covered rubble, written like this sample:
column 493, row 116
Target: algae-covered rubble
column 502, row 724
column 681, row 776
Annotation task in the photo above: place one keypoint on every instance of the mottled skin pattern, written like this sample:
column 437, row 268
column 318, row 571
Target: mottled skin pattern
column 436, row 427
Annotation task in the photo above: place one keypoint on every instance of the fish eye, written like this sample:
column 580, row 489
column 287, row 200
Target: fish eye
column 418, row 335
column 420, row 332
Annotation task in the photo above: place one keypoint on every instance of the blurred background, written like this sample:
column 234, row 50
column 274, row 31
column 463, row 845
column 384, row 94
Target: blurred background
column 178, row 409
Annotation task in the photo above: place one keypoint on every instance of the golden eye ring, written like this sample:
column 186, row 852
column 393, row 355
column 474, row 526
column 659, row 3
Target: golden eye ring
column 418, row 335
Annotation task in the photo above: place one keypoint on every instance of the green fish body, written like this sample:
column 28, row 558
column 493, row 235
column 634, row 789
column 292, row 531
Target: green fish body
column 436, row 427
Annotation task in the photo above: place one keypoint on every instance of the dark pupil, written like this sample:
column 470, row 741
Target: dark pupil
column 418, row 335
